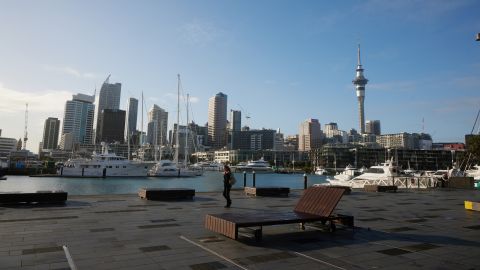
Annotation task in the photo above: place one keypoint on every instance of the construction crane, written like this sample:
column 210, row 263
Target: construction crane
column 25, row 134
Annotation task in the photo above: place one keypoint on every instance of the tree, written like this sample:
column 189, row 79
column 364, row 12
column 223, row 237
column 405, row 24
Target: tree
column 473, row 145
column 19, row 144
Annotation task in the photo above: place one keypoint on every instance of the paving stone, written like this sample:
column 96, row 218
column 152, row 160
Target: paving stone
column 102, row 235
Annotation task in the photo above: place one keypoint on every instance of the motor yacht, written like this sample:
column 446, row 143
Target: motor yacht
column 168, row 168
column 320, row 171
column 376, row 175
column 104, row 164
column 260, row 166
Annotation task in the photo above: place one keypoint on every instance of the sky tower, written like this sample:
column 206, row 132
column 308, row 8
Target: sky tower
column 360, row 81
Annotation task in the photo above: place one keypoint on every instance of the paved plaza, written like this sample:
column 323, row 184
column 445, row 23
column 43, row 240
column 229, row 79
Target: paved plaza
column 404, row 230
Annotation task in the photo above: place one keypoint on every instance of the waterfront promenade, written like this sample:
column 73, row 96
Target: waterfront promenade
column 427, row 229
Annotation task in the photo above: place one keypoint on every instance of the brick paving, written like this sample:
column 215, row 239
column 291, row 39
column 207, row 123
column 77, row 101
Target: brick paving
column 404, row 230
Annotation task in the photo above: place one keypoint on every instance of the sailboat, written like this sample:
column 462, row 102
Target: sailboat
column 169, row 168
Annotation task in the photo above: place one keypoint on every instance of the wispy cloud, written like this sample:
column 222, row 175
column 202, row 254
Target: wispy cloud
column 200, row 33
column 467, row 82
column 173, row 97
column 13, row 101
column 70, row 71
column 394, row 86
column 457, row 105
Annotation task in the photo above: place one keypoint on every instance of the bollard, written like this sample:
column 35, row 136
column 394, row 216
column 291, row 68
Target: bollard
column 305, row 181
column 244, row 178
column 253, row 178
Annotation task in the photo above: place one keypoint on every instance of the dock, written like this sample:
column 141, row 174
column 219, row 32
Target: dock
column 410, row 229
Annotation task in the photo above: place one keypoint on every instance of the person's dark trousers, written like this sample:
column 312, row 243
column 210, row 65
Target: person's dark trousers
column 226, row 194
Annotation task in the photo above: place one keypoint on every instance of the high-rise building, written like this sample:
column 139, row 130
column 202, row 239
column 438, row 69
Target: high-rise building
column 235, row 120
column 7, row 145
column 360, row 81
column 254, row 139
column 108, row 98
column 112, row 124
column 373, row 127
column 310, row 135
column 131, row 121
column 50, row 133
column 78, row 118
column 157, row 126
column 217, row 121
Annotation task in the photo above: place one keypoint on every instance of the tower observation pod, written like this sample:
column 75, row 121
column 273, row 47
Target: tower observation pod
column 360, row 81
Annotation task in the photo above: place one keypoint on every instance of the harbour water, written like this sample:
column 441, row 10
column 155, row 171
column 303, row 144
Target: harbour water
column 208, row 182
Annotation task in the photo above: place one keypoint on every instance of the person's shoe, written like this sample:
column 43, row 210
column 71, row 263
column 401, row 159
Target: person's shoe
column 227, row 206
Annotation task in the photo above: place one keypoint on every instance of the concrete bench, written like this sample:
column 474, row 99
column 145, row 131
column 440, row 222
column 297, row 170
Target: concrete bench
column 267, row 191
column 37, row 197
column 166, row 193
column 377, row 188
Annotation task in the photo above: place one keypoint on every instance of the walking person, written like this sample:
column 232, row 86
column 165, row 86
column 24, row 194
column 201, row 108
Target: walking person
column 227, row 175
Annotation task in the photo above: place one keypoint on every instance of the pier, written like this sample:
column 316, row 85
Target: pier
column 410, row 229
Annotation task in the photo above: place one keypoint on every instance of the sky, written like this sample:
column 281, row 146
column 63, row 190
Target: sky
column 280, row 62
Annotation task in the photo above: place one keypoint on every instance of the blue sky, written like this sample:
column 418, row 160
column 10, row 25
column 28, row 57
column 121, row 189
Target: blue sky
column 280, row 62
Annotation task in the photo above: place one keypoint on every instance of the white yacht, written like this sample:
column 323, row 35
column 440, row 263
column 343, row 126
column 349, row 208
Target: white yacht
column 254, row 165
column 103, row 165
column 208, row 166
column 320, row 171
column 376, row 175
column 474, row 172
column 347, row 174
column 168, row 168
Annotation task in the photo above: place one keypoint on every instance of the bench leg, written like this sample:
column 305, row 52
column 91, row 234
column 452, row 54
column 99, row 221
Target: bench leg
column 258, row 234
column 302, row 226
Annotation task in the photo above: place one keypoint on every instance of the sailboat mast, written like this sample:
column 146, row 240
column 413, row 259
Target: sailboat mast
column 177, row 142
column 128, row 132
column 186, row 138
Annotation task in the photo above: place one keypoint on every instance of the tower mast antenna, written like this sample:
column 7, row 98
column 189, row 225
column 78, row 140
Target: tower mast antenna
column 25, row 134
column 360, row 81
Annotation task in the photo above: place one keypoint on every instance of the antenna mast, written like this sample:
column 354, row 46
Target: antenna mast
column 25, row 134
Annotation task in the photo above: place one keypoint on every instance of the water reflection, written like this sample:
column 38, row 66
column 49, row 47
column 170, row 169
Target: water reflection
column 210, row 181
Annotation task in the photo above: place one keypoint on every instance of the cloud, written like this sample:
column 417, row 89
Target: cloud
column 41, row 105
column 393, row 86
column 70, row 71
column 183, row 98
column 200, row 33
column 472, row 82
column 13, row 101
column 457, row 105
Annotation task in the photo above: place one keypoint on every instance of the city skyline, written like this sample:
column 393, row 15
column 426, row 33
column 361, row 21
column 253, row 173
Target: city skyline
column 279, row 68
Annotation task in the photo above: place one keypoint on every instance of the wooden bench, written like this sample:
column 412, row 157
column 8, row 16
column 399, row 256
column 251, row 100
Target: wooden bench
column 348, row 190
column 166, row 193
column 31, row 197
column 377, row 188
column 315, row 205
column 267, row 191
